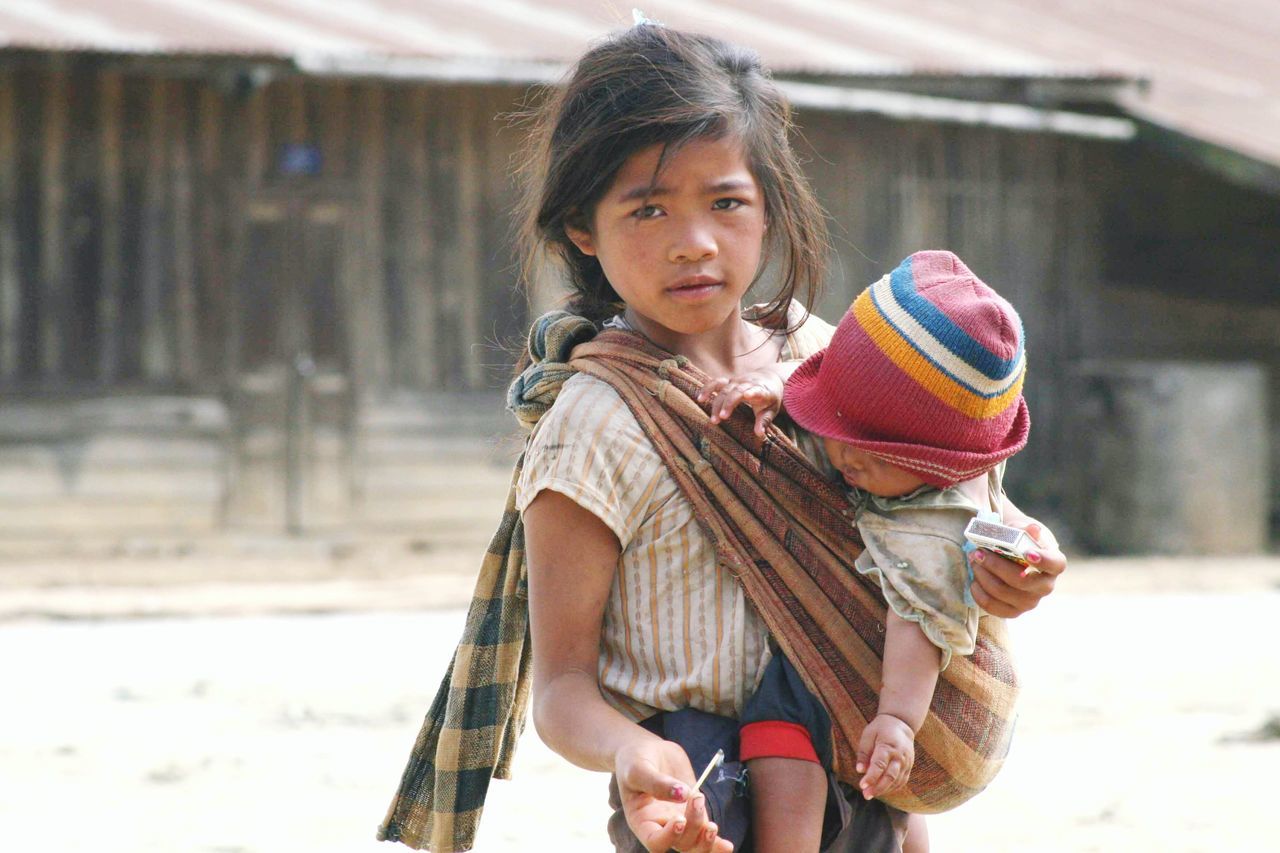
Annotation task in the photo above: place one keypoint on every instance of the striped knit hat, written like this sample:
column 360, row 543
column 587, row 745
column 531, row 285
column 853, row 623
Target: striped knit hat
column 925, row 371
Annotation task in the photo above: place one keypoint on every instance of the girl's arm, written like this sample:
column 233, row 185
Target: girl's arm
column 886, row 751
column 572, row 557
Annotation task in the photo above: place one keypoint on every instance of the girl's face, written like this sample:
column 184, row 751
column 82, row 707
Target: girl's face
column 682, row 253
column 870, row 473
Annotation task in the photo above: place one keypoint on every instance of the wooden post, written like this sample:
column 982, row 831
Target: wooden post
column 296, row 111
column 336, row 129
column 212, row 253
column 470, row 202
column 370, row 328
column 256, row 156
column 53, row 209
column 502, row 314
column 10, row 282
column 111, row 190
column 416, row 234
column 186, row 304
column 156, row 353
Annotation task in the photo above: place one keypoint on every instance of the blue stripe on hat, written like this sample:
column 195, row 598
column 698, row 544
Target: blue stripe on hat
column 875, row 295
column 954, row 338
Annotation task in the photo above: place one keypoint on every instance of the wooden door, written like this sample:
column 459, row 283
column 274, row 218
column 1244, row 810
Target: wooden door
column 291, row 395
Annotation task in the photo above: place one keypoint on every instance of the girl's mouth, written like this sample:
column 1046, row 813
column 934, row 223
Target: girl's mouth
column 695, row 288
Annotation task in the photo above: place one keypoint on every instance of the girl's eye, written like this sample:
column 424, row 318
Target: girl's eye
column 649, row 211
column 727, row 204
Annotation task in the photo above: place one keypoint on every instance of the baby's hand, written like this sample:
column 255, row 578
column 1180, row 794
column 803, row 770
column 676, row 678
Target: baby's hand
column 886, row 753
column 759, row 389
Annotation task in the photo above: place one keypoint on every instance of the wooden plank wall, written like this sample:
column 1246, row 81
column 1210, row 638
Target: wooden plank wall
column 1191, row 271
column 121, row 195
column 123, row 186
column 1107, row 252
column 1018, row 208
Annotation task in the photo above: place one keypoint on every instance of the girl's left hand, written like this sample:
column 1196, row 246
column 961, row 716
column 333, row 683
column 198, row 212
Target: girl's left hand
column 1003, row 588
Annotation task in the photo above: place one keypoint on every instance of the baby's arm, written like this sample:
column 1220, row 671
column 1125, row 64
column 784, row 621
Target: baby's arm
column 761, row 389
column 886, row 751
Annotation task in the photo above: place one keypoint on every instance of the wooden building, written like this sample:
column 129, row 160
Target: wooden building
column 244, row 291
column 233, row 295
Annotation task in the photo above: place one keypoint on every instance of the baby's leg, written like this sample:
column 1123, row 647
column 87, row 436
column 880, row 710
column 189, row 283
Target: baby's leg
column 783, row 727
column 917, row 840
column 788, row 799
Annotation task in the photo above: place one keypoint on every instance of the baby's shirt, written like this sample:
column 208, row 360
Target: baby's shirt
column 915, row 551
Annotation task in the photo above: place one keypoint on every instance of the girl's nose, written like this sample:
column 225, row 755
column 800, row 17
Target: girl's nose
column 692, row 245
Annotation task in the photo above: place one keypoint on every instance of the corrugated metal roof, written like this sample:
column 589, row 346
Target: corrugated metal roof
column 1213, row 67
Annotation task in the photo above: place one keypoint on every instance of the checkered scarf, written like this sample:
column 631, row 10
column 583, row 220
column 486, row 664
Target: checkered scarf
column 778, row 525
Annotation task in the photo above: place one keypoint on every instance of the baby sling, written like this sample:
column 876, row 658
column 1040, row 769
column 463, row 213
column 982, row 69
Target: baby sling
column 778, row 526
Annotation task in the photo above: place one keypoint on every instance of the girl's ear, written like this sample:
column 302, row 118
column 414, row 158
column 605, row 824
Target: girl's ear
column 581, row 238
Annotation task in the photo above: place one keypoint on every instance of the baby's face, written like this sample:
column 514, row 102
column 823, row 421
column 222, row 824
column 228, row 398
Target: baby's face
column 870, row 473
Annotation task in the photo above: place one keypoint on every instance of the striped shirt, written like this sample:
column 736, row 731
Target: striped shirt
column 678, row 630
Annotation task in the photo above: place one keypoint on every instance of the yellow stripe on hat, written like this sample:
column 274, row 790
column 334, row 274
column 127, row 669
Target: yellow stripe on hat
column 926, row 374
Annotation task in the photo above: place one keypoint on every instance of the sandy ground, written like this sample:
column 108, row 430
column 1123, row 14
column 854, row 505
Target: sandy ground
column 228, row 699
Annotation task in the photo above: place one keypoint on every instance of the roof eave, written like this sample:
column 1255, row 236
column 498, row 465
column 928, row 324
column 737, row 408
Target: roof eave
column 1231, row 164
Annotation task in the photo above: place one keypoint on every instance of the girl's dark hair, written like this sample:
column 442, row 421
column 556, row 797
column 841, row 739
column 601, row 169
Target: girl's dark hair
column 653, row 85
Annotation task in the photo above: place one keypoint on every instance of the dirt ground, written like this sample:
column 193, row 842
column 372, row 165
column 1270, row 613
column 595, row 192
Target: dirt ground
column 237, row 697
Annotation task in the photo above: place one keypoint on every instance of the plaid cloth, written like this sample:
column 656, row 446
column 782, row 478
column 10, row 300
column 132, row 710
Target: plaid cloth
column 470, row 732
column 779, row 526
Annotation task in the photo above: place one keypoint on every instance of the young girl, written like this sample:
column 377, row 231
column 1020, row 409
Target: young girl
column 663, row 180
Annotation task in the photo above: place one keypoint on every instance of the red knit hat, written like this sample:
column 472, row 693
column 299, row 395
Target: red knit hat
column 925, row 371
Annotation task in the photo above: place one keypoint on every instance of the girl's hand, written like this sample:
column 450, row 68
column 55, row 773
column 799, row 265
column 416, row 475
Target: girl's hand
column 1004, row 588
column 655, row 782
column 760, row 389
column 886, row 753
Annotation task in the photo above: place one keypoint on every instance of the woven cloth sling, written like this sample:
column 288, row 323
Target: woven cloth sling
column 778, row 525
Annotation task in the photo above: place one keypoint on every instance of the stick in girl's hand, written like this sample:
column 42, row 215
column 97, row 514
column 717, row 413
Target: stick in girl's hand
column 716, row 761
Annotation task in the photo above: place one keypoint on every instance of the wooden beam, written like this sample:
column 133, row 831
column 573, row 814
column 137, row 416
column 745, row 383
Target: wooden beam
column 503, row 315
column 111, row 192
column 296, row 111
column 10, row 280
column 53, row 220
column 156, row 351
column 185, row 304
column 470, row 209
column 1235, row 166
column 212, row 253
column 370, row 326
column 416, row 233
column 256, row 138
column 336, row 130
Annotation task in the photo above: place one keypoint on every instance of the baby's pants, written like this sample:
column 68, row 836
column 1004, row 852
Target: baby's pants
column 851, row 824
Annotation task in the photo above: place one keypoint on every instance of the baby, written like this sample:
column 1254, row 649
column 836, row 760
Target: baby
column 918, row 400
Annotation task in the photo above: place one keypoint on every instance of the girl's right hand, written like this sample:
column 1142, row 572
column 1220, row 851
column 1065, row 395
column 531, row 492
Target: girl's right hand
column 654, row 782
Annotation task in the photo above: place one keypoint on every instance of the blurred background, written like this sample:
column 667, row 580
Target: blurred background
column 258, row 307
